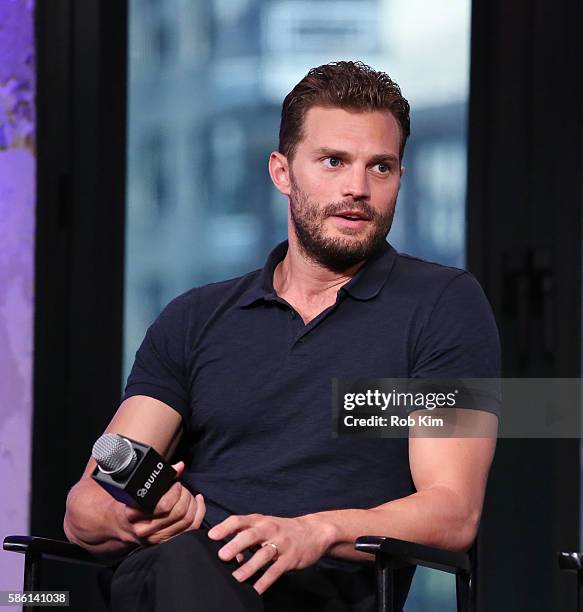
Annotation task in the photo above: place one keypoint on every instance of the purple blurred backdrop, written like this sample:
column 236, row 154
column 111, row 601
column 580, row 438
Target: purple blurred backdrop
column 17, row 210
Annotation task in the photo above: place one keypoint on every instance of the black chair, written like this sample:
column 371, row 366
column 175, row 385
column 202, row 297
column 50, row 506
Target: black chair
column 390, row 554
column 37, row 549
column 573, row 561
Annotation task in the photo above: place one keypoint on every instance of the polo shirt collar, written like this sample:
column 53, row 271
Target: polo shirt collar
column 364, row 285
column 367, row 283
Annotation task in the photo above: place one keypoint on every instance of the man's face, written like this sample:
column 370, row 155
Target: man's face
column 345, row 177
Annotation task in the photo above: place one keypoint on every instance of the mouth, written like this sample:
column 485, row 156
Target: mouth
column 351, row 221
column 352, row 215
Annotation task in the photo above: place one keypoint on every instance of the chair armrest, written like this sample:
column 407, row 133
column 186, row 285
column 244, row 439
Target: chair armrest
column 411, row 553
column 51, row 549
column 571, row 561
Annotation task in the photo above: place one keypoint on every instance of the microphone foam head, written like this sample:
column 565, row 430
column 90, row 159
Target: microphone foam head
column 113, row 453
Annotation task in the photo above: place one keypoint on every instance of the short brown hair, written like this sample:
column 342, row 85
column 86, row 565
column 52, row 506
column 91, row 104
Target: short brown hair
column 348, row 85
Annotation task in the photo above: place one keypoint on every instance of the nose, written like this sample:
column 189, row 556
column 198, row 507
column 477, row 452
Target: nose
column 356, row 184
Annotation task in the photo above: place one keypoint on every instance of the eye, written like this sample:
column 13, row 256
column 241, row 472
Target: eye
column 383, row 168
column 332, row 162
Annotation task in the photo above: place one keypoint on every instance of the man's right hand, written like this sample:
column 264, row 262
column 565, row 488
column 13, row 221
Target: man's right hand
column 104, row 526
column 177, row 511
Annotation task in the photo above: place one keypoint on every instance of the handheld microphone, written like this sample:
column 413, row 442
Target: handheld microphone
column 131, row 472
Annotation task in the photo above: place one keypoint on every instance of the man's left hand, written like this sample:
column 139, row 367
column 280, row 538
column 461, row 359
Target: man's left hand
column 286, row 543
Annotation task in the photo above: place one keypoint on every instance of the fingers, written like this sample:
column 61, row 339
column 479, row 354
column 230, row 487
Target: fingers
column 269, row 577
column 187, row 513
column 135, row 514
column 262, row 557
column 163, row 507
column 169, row 500
column 174, row 525
column 126, row 529
column 293, row 545
column 200, row 511
column 244, row 539
column 179, row 467
column 180, row 517
column 231, row 524
column 165, row 504
column 178, row 514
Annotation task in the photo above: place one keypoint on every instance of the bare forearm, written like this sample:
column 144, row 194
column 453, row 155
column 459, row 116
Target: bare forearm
column 92, row 520
column 435, row 517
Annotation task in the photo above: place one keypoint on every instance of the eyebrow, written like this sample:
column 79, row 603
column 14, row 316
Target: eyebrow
column 344, row 154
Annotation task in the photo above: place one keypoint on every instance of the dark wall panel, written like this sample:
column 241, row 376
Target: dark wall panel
column 79, row 256
column 524, row 244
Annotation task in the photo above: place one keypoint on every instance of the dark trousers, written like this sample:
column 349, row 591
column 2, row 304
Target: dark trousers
column 186, row 574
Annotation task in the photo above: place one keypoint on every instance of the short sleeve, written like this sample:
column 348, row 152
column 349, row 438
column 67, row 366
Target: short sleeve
column 460, row 337
column 159, row 369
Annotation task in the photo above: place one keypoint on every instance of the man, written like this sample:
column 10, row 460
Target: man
column 242, row 370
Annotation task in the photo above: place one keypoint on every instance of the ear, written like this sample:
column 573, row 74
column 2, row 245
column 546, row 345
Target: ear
column 279, row 172
column 402, row 171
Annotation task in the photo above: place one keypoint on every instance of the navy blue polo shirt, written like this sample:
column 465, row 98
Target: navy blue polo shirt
column 253, row 383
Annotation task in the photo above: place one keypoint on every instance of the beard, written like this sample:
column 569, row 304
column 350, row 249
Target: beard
column 336, row 253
